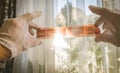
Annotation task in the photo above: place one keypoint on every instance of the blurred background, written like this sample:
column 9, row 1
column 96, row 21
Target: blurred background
column 58, row 54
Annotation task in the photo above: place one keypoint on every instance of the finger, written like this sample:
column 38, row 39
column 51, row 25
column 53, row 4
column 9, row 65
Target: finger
column 117, row 44
column 117, row 11
column 109, row 26
column 30, row 16
column 105, row 26
column 98, row 10
column 34, row 25
column 98, row 38
column 36, row 42
column 105, row 37
column 31, row 42
column 31, row 30
column 108, row 39
column 99, row 21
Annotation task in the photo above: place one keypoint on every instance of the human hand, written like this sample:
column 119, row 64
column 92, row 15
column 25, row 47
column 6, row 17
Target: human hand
column 110, row 21
column 17, row 33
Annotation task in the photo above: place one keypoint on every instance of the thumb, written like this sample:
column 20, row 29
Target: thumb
column 98, row 10
column 106, row 36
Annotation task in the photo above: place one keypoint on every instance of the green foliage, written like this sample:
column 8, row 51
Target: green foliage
column 41, row 68
column 98, row 58
column 74, row 55
column 30, row 67
column 90, row 67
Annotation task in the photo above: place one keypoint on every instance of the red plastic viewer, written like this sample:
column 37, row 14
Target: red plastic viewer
column 69, row 32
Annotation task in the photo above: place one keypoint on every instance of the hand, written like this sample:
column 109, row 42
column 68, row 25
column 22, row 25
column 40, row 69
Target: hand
column 17, row 35
column 110, row 21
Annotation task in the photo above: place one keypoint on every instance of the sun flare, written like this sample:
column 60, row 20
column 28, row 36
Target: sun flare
column 59, row 41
